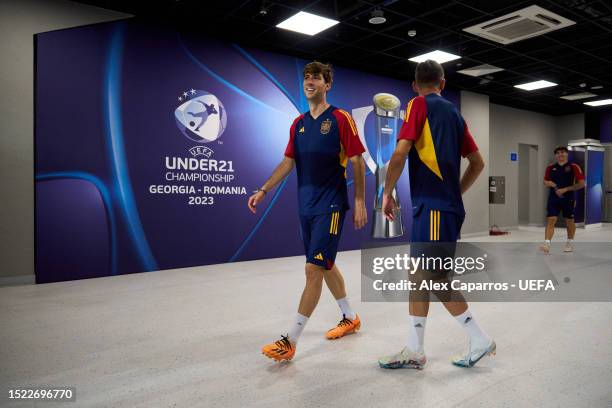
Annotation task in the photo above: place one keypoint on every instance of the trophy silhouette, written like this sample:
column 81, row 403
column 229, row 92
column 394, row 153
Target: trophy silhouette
column 387, row 110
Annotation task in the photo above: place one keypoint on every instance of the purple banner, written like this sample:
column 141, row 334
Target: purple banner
column 149, row 142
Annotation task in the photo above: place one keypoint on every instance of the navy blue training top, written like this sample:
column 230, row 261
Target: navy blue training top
column 563, row 176
column 321, row 148
column 441, row 137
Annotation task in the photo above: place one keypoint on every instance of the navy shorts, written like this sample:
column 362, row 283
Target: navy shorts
column 557, row 204
column 435, row 233
column 321, row 236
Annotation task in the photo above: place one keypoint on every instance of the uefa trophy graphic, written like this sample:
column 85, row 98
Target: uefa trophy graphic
column 387, row 110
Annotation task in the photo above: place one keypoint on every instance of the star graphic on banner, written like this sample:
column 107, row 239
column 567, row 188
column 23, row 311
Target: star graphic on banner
column 185, row 94
column 180, row 99
column 193, row 91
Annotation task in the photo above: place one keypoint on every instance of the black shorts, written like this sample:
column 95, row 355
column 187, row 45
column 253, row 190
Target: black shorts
column 559, row 204
column 321, row 235
column 435, row 234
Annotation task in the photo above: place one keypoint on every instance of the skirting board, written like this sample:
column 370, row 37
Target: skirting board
column 17, row 280
column 591, row 226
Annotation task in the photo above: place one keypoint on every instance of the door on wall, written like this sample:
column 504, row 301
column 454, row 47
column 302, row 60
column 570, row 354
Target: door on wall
column 528, row 201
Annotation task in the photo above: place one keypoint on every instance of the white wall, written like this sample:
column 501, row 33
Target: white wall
column 475, row 111
column 508, row 128
column 19, row 21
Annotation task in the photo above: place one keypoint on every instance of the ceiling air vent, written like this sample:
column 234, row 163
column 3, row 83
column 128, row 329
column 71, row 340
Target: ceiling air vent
column 520, row 25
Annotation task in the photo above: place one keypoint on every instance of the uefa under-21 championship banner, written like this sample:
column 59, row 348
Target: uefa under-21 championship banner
column 148, row 143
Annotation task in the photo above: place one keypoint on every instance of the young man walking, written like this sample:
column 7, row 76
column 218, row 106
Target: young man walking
column 563, row 178
column 434, row 136
column 321, row 142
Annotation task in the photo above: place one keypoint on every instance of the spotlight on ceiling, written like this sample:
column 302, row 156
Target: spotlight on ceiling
column 307, row 23
column 378, row 17
column 437, row 55
column 575, row 97
column 530, row 86
column 600, row 102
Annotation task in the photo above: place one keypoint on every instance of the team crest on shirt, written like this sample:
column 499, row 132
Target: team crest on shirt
column 325, row 126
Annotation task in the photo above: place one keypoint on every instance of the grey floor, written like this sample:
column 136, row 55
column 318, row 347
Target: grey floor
column 191, row 337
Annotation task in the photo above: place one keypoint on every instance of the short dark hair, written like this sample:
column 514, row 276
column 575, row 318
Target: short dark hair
column 558, row 148
column 316, row 67
column 429, row 73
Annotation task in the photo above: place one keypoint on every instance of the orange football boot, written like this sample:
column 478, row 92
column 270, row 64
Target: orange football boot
column 346, row 326
column 281, row 350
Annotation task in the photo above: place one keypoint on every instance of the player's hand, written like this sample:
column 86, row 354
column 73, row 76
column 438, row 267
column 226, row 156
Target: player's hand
column 360, row 215
column 254, row 200
column 560, row 191
column 389, row 205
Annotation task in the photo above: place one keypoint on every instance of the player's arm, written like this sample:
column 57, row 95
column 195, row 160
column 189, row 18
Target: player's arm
column 547, row 181
column 578, row 176
column 353, row 148
column 579, row 185
column 469, row 150
column 360, row 214
column 396, row 164
column 475, row 167
column 280, row 172
column 412, row 128
column 394, row 171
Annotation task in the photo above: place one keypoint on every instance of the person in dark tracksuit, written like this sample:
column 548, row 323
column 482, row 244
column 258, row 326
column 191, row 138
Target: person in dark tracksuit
column 563, row 178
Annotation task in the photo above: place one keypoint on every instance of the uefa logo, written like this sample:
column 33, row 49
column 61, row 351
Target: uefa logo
column 201, row 117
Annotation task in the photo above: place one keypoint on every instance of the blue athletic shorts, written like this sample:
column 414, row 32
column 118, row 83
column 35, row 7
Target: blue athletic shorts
column 435, row 233
column 557, row 204
column 321, row 235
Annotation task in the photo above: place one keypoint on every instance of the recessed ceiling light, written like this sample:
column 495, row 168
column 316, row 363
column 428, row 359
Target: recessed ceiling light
column 378, row 17
column 581, row 95
column 530, row 86
column 437, row 55
column 597, row 87
column 599, row 102
column 307, row 23
column 479, row 70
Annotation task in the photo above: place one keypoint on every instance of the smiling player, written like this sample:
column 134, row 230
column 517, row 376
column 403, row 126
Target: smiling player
column 321, row 141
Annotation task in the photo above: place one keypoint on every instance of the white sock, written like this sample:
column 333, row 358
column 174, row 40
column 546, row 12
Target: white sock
column 570, row 240
column 416, row 339
column 298, row 327
column 547, row 241
column 478, row 338
column 346, row 308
